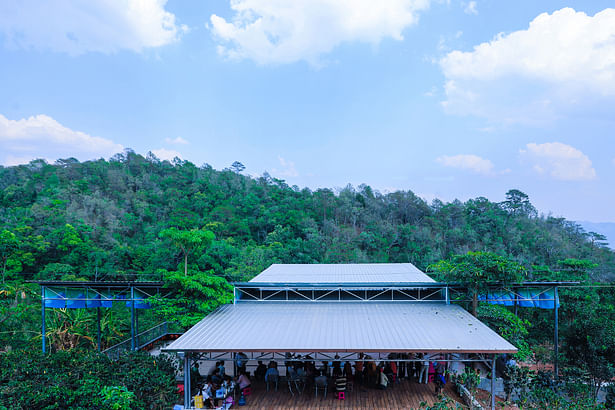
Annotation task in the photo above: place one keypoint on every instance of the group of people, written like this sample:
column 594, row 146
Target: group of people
column 364, row 373
column 219, row 385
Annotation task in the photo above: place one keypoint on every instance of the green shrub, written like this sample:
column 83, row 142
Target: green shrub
column 78, row 379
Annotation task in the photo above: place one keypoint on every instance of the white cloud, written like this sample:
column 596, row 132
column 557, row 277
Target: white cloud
column 166, row 154
column 470, row 8
column 77, row 27
column 41, row 136
column 288, row 169
column 282, row 31
column 468, row 162
column 562, row 62
column 559, row 161
column 178, row 140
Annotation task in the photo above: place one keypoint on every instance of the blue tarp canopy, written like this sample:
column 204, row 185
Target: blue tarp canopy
column 62, row 297
column 539, row 298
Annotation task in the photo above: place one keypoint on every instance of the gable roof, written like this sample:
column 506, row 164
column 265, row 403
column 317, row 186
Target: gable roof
column 343, row 273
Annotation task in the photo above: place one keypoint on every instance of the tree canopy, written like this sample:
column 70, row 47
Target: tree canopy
column 478, row 270
column 188, row 241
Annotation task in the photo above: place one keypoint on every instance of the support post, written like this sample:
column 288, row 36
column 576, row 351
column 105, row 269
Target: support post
column 43, row 319
column 138, row 342
column 98, row 323
column 132, row 319
column 186, row 380
column 555, row 338
column 493, row 375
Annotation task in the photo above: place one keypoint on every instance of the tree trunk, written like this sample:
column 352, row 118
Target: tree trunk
column 185, row 264
column 474, row 303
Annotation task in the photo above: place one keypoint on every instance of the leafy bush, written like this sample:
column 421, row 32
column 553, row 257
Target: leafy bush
column 508, row 325
column 77, row 379
column 117, row 397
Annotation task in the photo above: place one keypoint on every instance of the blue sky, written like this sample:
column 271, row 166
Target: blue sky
column 450, row 99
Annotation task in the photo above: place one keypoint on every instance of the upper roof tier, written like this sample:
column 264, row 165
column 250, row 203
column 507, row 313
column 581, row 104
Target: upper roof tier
column 342, row 273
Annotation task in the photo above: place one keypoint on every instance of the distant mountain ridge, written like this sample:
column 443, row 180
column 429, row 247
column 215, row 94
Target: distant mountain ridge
column 605, row 228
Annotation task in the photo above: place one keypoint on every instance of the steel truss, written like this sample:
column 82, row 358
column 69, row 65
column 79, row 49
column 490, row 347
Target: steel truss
column 340, row 294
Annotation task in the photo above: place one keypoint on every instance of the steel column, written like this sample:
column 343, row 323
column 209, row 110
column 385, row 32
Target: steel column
column 187, row 380
column 132, row 319
column 43, row 319
column 138, row 342
column 493, row 374
column 98, row 323
column 555, row 337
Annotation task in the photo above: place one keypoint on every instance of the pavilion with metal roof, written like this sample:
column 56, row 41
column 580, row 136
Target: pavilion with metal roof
column 327, row 310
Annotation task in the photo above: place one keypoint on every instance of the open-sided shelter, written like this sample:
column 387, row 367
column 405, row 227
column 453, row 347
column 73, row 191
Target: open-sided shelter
column 328, row 310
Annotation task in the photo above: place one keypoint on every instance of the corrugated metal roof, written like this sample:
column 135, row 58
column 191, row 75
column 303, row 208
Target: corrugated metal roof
column 341, row 327
column 342, row 273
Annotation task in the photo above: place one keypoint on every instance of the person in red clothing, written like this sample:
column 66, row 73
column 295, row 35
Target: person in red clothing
column 394, row 372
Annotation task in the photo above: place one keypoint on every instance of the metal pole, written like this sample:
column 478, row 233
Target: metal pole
column 186, row 380
column 98, row 322
column 555, row 337
column 43, row 321
column 132, row 319
column 138, row 342
column 493, row 383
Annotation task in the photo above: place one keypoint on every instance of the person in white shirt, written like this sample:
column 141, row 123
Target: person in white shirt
column 243, row 381
column 383, row 380
column 424, row 369
column 207, row 394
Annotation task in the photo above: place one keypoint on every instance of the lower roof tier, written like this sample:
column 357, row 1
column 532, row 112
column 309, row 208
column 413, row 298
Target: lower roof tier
column 341, row 327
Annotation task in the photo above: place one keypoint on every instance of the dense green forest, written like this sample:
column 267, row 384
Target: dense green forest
column 102, row 219
column 140, row 218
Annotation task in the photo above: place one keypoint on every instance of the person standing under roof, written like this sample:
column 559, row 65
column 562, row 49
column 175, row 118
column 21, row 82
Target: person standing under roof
column 260, row 371
column 358, row 370
column 220, row 366
column 439, row 379
column 424, row 368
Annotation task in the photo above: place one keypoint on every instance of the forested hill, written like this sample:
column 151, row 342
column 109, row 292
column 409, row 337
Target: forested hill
column 101, row 219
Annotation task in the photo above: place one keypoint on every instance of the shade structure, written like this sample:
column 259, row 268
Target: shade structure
column 364, row 273
column 341, row 327
column 81, row 295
